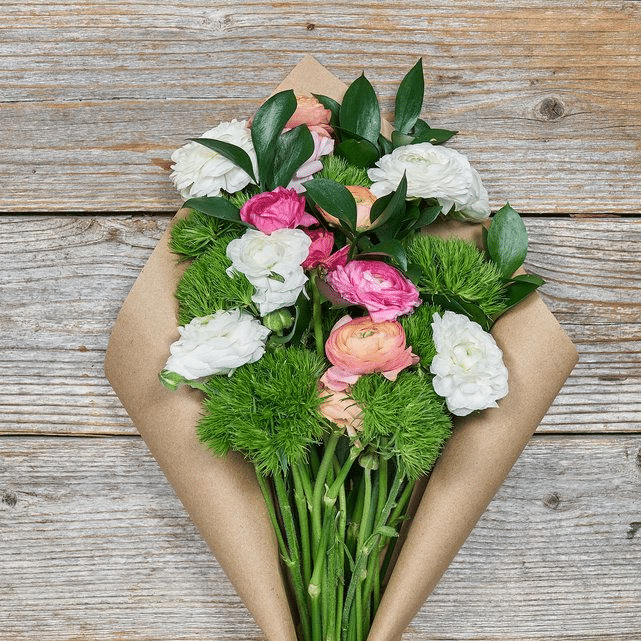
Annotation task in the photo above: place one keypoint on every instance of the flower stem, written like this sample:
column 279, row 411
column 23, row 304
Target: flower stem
column 319, row 486
column 316, row 317
column 303, row 521
column 294, row 554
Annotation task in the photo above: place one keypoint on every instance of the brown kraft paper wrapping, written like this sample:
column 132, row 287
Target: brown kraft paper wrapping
column 222, row 496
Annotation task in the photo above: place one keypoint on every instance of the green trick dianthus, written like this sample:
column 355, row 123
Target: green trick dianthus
column 193, row 235
column 455, row 266
column 418, row 332
column 405, row 418
column 205, row 286
column 268, row 410
column 340, row 171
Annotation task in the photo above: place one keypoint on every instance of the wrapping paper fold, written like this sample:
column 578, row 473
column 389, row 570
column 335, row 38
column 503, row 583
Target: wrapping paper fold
column 221, row 494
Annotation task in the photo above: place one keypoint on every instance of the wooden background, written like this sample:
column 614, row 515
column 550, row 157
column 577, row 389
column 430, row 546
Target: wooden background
column 94, row 96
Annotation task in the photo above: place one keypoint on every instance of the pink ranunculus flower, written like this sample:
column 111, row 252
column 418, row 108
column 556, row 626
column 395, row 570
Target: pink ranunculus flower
column 338, row 258
column 321, row 247
column 342, row 410
column 278, row 209
column 310, row 112
column 358, row 346
column 322, row 147
column 377, row 286
column 364, row 200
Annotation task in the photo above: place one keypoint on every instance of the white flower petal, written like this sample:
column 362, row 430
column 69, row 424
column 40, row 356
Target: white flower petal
column 468, row 367
column 217, row 344
column 433, row 171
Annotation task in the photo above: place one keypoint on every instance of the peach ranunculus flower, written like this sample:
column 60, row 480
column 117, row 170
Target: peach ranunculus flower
column 364, row 200
column 358, row 346
column 342, row 410
column 310, row 112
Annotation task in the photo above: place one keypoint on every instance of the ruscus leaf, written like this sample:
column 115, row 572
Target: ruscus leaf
column 217, row 207
column 409, row 99
column 293, row 148
column 360, row 112
column 267, row 125
column 507, row 241
column 333, row 198
column 236, row 154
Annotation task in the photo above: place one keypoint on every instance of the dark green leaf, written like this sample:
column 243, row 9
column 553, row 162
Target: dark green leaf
column 238, row 156
column 409, row 99
column 360, row 153
column 428, row 214
column 385, row 145
column 414, row 273
column 400, row 140
column 422, row 132
column 507, row 241
column 293, row 148
column 395, row 207
column 332, row 105
column 391, row 248
column 277, row 277
column 517, row 290
column 333, row 198
column 267, row 125
column 460, row 306
column 302, row 317
column 360, row 112
column 532, row 279
column 217, row 207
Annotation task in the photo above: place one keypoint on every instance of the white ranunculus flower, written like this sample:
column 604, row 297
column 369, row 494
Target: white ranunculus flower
column 272, row 264
column 217, row 344
column 468, row 367
column 433, row 172
column 199, row 171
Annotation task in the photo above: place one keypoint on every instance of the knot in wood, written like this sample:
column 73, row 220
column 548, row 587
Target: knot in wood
column 552, row 501
column 9, row 498
column 551, row 108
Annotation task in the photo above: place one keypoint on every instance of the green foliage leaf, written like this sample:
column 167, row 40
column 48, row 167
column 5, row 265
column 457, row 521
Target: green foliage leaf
column 400, row 140
column 393, row 249
column 360, row 112
column 409, row 99
column 427, row 214
column 267, row 125
column 507, row 241
column 332, row 105
column 217, row 207
column 384, row 209
column 385, row 145
column 293, row 148
column 457, row 304
column 232, row 152
column 335, row 199
column 424, row 133
column 360, row 153
column 520, row 287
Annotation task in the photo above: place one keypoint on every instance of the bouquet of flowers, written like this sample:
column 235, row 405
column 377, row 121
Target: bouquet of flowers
column 336, row 328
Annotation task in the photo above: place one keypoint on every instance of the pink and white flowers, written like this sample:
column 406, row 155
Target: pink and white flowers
column 377, row 286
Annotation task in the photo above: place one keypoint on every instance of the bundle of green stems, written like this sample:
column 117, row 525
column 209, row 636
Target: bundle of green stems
column 336, row 518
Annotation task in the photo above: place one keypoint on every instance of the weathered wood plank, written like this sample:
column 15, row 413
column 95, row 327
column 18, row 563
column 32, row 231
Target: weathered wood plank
column 95, row 546
column 98, row 95
column 64, row 280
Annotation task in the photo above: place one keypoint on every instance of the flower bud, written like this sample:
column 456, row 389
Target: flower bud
column 278, row 320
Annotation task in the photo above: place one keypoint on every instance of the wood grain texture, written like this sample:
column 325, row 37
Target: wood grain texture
column 95, row 95
column 65, row 279
column 95, row 546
